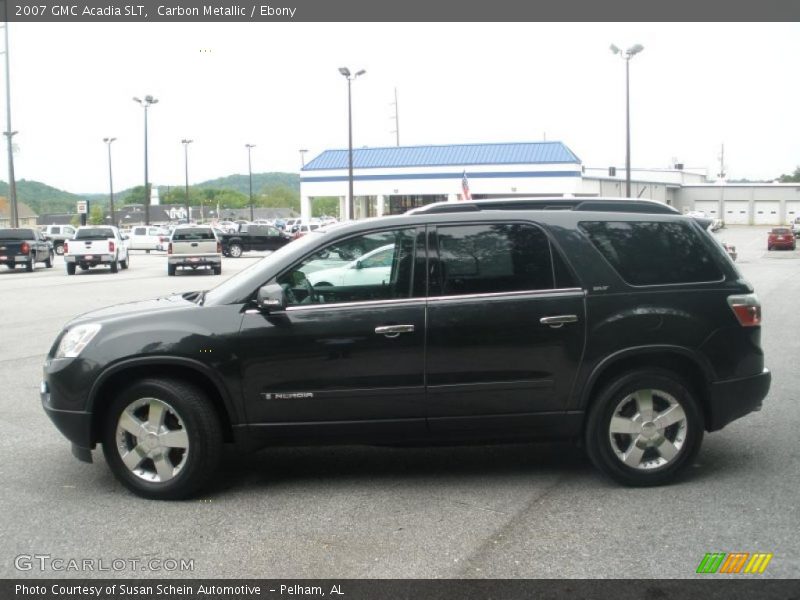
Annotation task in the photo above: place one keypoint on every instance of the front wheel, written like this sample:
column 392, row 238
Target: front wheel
column 644, row 427
column 162, row 439
column 114, row 266
column 235, row 250
column 49, row 262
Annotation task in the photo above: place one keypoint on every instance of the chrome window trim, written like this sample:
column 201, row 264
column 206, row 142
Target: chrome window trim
column 557, row 292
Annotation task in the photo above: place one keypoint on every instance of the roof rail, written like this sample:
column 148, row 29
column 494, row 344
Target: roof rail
column 556, row 203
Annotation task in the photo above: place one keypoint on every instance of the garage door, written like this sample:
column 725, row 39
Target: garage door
column 792, row 211
column 766, row 212
column 710, row 207
column 737, row 213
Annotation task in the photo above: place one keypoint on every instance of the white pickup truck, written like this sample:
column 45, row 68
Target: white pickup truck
column 95, row 245
column 192, row 247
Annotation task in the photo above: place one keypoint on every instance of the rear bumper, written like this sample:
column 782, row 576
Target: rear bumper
column 735, row 398
column 194, row 261
column 97, row 259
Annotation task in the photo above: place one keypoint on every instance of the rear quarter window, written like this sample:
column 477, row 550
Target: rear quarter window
column 654, row 253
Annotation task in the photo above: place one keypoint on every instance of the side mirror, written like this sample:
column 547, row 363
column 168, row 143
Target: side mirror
column 271, row 298
column 359, row 265
column 126, row 237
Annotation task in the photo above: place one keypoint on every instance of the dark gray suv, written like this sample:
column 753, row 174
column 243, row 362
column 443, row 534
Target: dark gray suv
column 625, row 327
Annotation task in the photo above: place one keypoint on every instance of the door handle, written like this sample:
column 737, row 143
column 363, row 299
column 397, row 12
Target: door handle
column 392, row 331
column 558, row 321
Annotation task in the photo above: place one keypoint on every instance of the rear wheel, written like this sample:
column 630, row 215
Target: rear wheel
column 170, row 270
column 162, row 439
column 218, row 270
column 59, row 248
column 70, row 268
column 235, row 250
column 644, row 427
column 30, row 265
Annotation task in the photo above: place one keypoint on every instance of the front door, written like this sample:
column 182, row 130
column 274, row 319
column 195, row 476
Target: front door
column 347, row 355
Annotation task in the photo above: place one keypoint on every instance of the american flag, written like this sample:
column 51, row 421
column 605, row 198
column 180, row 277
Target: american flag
column 465, row 187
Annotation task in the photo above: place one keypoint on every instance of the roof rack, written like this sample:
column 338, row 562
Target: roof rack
column 557, row 203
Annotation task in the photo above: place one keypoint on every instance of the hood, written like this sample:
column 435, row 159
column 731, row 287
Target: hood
column 139, row 308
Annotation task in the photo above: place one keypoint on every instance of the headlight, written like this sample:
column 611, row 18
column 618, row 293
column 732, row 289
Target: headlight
column 76, row 339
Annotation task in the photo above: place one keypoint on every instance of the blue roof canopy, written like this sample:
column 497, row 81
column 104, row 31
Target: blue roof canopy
column 441, row 156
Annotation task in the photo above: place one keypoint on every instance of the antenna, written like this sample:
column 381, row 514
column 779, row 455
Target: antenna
column 396, row 118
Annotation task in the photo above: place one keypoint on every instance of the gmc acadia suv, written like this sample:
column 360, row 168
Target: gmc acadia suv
column 618, row 324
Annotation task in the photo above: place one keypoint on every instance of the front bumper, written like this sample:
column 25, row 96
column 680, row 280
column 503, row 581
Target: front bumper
column 74, row 425
column 735, row 398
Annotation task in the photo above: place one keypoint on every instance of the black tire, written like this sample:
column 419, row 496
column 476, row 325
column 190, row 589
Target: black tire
column 114, row 266
column 235, row 250
column 30, row 265
column 125, row 263
column 217, row 270
column 188, row 410
column 49, row 261
column 171, row 270
column 11, row 266
column 607, row 449
column 70, row 268
column 59, row 249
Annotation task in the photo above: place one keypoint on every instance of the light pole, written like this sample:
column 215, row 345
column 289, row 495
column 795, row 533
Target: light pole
column 250, row 173
column 303, row 157
column 626, row 56
column 108, row 141
column 346, row 72
column 186, row 164
column 146, row 103
column 12, row 184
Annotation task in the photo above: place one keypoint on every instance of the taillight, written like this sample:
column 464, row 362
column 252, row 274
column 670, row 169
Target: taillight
column 219, row 247
column 24, row 248
column 110, row 246
column 66, row 247
column 747, row 309
column 169, row 248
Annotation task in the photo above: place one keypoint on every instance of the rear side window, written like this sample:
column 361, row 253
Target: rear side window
column 496, row 258
column 194, row 235
column 654, row 253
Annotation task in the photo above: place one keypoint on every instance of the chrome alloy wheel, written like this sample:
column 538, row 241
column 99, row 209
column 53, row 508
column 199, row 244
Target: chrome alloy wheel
column 647, row 429
column 151, row 440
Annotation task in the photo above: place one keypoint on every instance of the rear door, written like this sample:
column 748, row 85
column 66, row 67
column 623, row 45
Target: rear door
column 506, row 326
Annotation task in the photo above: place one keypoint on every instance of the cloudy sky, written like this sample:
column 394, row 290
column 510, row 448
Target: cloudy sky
column 694, row 87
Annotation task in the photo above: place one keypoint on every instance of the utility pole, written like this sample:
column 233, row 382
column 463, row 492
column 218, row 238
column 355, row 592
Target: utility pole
column 396, row 118
column 721, row 174
column 12, row 184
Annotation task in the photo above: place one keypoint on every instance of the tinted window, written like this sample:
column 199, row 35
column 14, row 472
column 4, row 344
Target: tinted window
column 55, row 230
column 139, row 231
column 16, row 234
column 183, row 235
column 481, row 259
column 376, row 266
column 652, row 253
column 94, row 233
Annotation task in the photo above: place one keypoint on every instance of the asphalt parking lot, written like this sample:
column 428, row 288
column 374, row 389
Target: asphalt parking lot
column 528, row 510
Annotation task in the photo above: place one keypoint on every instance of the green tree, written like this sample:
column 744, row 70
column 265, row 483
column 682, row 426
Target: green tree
column 325, row 207
column 793, row 178
column 96, row 215
column 134, row 195
column 278, row 196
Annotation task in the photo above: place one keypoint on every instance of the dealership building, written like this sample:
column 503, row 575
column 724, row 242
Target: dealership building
column 395, row 179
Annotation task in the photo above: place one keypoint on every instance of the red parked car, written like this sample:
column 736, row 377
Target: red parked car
column 781, row 237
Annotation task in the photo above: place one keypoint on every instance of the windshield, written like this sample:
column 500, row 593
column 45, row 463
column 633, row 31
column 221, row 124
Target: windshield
column 94, row 233
column 16, row 234
column 247, row 280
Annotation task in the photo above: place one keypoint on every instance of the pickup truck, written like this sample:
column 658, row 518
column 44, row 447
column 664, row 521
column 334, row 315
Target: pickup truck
column 58, row 234
column 95, row 245
column 192, row 247
column 252, row 237
column 24, row 246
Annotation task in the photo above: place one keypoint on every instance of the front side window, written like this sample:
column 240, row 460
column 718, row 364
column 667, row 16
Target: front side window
column 375, row 266
column 652, row 252
column 493, row 258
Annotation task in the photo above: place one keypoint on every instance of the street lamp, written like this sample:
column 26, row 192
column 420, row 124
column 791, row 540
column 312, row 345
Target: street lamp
column 346, row 73
column 250, row 173
column 108, row 141
column 626, row 56
column 303, row 157
column 146, row 103
column 186, row 164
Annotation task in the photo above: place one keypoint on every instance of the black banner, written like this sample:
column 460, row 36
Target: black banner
column 405, row 10
column 712, row 588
